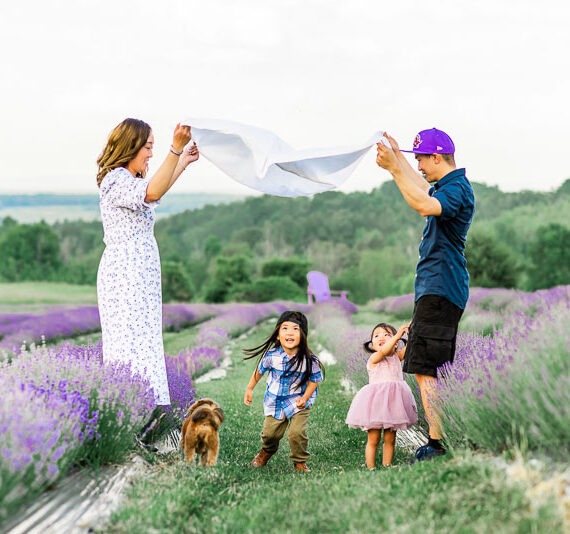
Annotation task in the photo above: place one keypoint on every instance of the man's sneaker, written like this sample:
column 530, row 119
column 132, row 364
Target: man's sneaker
column 427, row 452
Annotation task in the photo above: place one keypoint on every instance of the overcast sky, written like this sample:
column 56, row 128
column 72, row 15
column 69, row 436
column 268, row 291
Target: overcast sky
column 494, row 74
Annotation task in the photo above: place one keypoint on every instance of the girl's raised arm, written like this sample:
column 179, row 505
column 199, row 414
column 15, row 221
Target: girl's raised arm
column 389, row 348
column 403, row 330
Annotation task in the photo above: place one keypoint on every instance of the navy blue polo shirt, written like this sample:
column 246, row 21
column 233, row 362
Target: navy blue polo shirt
column 442, row 269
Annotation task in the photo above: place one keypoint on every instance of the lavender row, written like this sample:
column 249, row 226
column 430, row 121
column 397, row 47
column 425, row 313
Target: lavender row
column 509, row 385
column 501, row 300
column 512, row 388
column 20, row 329
column 74, row 408
column 61, row 407
column 237, row 318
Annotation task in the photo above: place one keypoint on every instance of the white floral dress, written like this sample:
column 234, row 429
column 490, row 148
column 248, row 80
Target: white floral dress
column 129, row 288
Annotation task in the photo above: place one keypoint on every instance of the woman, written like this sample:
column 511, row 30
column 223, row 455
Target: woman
column 129, row 288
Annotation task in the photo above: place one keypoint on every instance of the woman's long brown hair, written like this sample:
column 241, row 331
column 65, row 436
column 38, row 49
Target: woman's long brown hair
column 123, row 145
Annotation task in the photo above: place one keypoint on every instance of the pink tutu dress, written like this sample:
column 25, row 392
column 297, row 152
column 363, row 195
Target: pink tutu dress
column 386, row 401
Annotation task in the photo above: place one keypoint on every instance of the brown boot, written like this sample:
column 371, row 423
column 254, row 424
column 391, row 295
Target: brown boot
column 261, row 459
column 302, row 467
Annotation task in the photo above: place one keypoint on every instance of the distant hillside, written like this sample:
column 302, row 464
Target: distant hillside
column 358, row 220
column 53, row 208
column 366, row 242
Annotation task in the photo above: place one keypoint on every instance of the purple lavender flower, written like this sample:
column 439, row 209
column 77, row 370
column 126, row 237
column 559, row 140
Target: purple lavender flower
column 70, row 406
column 400, row 307
column 56, row 324
column 177, row 316
column 512, row 385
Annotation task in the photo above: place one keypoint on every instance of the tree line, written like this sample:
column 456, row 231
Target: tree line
column 261, row 248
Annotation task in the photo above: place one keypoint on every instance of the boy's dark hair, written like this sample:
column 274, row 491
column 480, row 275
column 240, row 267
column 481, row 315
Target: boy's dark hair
column 367, row 345
column 304, row 353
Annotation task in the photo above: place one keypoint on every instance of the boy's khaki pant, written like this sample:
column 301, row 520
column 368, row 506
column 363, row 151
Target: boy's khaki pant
column 274, row 429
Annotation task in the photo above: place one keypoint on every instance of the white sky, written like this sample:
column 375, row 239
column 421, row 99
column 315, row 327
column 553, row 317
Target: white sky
column 494, row 74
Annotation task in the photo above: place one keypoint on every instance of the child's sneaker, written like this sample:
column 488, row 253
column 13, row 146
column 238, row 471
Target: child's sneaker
column 261, row 459
column 302, row 467
column 427, row 452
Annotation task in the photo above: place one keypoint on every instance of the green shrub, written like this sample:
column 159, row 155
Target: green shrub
column 268, row 289
column 294, row 268
column 176, row 284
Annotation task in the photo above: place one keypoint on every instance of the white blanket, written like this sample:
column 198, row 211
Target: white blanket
column 261, row 160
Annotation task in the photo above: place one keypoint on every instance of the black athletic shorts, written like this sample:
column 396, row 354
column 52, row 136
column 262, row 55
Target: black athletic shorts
column 433, row 331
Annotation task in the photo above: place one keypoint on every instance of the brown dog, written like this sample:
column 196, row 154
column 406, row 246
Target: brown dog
column 200, row 432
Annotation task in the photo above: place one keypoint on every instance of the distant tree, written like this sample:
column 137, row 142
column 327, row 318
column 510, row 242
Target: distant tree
column 330, row 257
column 293, row 267
column 8, row 222
column 212, row 247
column 380, row 273
column 29, row 252
column 230, row 271
column 251, row 235
column 351, row 280
column 564, row 189
column 198, row 269
column 80, row 271
column 77, row 240
column 268, row 289
column 490, row 262
column 549, row 254
column 176, row 284
column 237, row 249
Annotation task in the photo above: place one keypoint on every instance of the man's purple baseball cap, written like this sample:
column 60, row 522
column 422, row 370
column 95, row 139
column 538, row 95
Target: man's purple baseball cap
column 432, row 141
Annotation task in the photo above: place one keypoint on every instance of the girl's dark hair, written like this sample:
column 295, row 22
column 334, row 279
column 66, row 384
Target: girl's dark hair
column 367, row 345
column 304, row 354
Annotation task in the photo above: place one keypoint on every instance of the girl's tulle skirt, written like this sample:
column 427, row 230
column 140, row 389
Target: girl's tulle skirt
column 389, row 405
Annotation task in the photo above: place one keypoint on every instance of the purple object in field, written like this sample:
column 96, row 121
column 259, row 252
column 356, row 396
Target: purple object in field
column 319, row 290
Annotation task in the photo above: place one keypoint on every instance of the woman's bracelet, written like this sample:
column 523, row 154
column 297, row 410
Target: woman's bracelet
column 175, row 152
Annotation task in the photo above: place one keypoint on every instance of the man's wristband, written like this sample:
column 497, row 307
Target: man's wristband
column 175, row 152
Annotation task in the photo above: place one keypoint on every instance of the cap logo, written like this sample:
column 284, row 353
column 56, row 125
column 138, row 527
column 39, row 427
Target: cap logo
column 417, row 141
column 439, row 147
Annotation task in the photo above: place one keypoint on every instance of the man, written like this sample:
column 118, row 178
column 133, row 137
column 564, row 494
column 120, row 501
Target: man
column 445, row 197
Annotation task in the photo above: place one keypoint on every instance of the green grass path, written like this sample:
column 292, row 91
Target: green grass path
column 463, row 494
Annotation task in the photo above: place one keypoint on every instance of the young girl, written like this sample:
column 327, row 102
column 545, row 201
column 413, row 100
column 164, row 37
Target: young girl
column 387, row 402
column 294, row 372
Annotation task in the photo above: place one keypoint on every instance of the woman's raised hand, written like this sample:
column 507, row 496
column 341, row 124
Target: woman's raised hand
column 190, row 155
column 181, row 137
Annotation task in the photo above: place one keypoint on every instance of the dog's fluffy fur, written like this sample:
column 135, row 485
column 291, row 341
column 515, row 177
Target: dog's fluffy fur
column 200, row 432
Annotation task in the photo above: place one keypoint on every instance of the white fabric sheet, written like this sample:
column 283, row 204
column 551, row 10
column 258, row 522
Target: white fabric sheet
column 261, row 160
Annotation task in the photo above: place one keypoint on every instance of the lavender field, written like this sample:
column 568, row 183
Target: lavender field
column 72, row 409
column 509, row 387
column 507, row 392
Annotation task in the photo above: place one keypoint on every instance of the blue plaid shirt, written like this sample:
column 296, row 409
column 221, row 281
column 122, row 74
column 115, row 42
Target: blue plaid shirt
column 282, row 392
